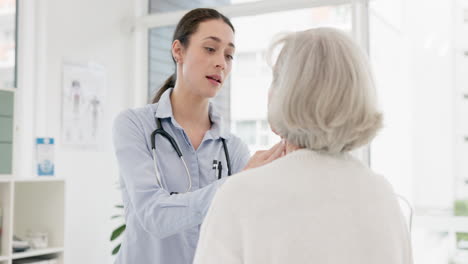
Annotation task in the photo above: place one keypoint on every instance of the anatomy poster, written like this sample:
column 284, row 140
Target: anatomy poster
column 84, row 89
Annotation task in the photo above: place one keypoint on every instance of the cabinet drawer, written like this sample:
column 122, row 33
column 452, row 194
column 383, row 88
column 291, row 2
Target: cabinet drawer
column 6, row 158
column 6, row 129
column 6, row 103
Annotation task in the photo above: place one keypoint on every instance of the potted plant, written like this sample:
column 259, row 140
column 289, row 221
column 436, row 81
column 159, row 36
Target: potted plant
column 117, row 231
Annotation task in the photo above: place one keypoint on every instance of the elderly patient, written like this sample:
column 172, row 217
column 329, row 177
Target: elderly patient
column 317, row 204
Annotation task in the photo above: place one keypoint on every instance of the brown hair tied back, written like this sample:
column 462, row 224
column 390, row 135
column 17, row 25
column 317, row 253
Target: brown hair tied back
column 185, row 28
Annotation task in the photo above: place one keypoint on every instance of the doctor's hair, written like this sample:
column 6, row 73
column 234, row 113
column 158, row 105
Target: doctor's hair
column 187, row 26
column 323, row 94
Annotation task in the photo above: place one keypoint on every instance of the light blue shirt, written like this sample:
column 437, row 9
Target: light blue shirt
column 163, row 228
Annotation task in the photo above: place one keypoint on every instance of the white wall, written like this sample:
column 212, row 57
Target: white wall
column 433, row 86
column 412, row 53
column 392, row 151
column 54, row 31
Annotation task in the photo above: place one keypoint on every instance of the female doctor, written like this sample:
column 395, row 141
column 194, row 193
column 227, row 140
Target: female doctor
column 175, row 153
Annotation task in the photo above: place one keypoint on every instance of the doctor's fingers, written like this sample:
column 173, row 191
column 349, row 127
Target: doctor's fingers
column 275, row 152
column 272, row 150
column 263, row 157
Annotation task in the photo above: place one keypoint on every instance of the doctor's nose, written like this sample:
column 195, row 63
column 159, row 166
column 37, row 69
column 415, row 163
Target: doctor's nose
column 221, row 62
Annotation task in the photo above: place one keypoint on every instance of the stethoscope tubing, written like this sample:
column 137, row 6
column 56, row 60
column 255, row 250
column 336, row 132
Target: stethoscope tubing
column 160, row 131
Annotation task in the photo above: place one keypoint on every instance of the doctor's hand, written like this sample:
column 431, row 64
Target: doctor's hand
column 263, row 157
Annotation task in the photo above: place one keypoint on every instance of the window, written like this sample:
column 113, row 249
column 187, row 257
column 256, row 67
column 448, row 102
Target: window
column 251, row 76
column 247, row 130
column 161, row 6
column 160, row 61
column 420, row 65
column 8, row 18
column 244, row 97
column 7, row 43
column 419, row 53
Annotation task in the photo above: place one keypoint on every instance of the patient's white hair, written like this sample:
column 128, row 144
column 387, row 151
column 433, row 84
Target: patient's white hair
column 323, row 95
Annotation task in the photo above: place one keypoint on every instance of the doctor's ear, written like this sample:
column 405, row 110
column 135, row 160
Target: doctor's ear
column 177, row 51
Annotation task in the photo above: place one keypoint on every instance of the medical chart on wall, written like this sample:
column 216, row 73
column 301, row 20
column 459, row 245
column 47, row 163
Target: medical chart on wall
column 84, row 90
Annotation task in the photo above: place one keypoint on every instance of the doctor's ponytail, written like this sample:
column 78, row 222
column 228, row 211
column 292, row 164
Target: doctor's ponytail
column 170, row 82
column 188, row 25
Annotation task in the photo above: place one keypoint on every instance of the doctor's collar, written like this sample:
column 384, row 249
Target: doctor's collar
column 164, row 109
column 217, row 130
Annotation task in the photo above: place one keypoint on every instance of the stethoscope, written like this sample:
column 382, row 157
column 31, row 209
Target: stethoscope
column 160, row 131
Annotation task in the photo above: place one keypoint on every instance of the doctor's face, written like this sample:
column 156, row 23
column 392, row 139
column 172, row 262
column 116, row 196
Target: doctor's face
column 207, row 61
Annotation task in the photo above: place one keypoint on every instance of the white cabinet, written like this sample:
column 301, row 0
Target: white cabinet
column 35, row 205
column 26, row 206
column 7, row 98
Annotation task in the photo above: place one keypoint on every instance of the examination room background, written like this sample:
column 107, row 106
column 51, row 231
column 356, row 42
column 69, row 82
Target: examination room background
column 418, row 50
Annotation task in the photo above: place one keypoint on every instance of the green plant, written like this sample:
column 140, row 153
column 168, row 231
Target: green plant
column 118, row 231
column 461, row 209
column 462, row 236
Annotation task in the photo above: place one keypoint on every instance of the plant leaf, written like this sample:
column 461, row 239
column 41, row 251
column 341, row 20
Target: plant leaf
column 116, row 216
column 117, row 232
column 119, row 206
column 116, row 249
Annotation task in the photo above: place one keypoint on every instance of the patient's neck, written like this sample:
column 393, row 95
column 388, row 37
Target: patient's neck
column 291, row 147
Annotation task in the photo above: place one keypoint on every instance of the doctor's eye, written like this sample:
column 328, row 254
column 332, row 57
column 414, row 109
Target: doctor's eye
column 210, row 50
column 229, row 57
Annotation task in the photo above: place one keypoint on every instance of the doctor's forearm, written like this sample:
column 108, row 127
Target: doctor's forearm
column 166, row 215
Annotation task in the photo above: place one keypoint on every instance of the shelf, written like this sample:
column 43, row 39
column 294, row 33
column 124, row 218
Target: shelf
column 9, row 89
column 41, row 179
column 5, row 178
column 2, row 258
column 39, row 207
column 37, row 252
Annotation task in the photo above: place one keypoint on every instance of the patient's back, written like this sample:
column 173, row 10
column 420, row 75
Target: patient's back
column 314, row 208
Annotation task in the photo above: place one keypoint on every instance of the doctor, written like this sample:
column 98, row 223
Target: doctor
column 175, row 153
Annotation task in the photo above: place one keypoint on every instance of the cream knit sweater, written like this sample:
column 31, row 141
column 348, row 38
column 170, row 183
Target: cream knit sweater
column 305, row 208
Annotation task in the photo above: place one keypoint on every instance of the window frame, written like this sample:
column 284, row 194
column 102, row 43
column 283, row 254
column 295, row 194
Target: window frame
column 143, row 22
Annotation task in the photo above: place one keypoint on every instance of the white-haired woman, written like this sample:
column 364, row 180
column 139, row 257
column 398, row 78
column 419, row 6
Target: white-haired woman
column 317, row 204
